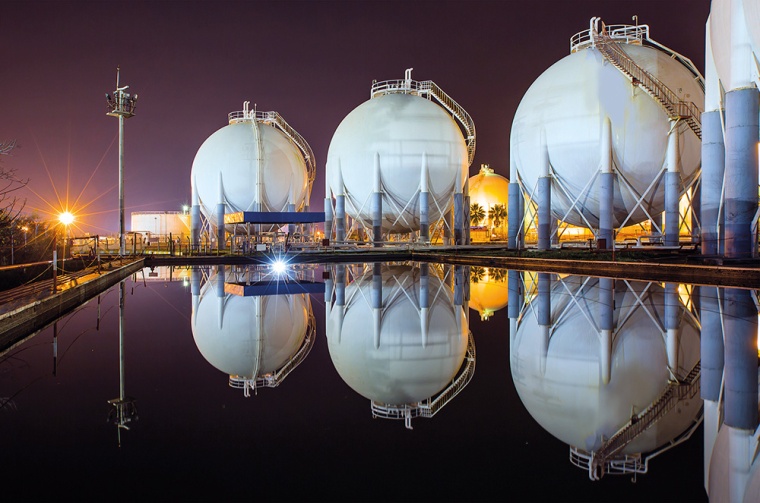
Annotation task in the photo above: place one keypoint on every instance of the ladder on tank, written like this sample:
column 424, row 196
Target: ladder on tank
column 428, row 89
column 675, row 391
column 668, row 100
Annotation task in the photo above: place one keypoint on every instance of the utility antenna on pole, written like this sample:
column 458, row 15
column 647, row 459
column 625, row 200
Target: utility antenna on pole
column 122, row 105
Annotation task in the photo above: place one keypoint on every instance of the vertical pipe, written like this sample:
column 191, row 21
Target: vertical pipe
column 740, row 321
column 606, row 188
column 672, row 183
column 544, row 199
column 122, row 297
column 377, row 204
column 424, row 201
column 606, row 325
column 741, row 170
column 122, row 249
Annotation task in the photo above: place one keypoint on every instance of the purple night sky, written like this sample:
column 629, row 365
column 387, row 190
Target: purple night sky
column 192, row 62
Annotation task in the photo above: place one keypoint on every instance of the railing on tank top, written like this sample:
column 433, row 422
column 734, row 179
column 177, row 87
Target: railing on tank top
column 276, row 120
column 428, row 89
column 668, row 100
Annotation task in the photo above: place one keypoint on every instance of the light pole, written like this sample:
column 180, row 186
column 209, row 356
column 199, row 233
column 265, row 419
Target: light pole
column 121, row 105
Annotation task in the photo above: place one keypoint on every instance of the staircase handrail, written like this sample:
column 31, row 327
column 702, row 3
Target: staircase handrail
column 428, row 89
column 673, row 392
column 675, row 107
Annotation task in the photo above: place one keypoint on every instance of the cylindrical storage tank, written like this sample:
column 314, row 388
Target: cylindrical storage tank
column 400, row 353
column 249, row 165
column 397, row 133
column 562, row 119
column 248, row 336
column 161, row 223
column 490, row 192
column 566, row 394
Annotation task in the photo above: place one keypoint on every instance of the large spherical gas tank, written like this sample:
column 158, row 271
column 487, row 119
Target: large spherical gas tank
column 407, row 366
column 721, row 39
column 562, row 387
column 563, row 113
column 258, row 167
column 399, row 128
column 249, row 336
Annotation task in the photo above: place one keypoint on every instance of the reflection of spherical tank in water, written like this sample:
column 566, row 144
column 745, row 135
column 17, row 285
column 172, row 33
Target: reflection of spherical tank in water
column 489, row 291
column 405, row 367
column 250, row 166
column 563, row 114
column 249, row 336
column 398, row 130
column 566, row 394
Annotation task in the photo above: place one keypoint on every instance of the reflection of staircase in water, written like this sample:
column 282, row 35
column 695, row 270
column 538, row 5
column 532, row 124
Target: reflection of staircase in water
column 606, row 457
column 429, row 407
column 668, row 100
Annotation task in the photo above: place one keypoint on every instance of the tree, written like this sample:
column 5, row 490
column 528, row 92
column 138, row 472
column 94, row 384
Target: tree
column 477, row 214
column 10, row 203
column 498, row 215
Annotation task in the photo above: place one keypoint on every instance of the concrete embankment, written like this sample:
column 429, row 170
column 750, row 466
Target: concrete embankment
column 15, row 325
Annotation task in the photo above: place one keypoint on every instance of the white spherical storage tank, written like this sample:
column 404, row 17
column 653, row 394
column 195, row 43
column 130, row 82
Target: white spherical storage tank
column 582, row 110
column 401, row 143
column 562, row 383
column 412, row 352
column 249, row 165
column 248, row 336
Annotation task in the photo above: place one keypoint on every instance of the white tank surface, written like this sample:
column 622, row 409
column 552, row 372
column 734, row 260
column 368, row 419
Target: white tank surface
column 414, row 355
column 248, row 336
column 720, row 31
column 562, row 387
column 249, row 165
column 489, row 290
column 162, row 223
column 399, row 132
column 563, row 118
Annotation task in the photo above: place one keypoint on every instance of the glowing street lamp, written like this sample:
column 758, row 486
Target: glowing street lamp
column 66, row 218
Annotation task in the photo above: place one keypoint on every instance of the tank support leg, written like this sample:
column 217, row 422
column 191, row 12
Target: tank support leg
column 741, row 171
column 740, row 320
column 544, row 315
column 672, row 183
column 544, row 198
column 220, row 231
column 377, row 302
column 458, row 218
column 673, row 335
column 606, row 325
column 713, row 169
column 514, row 215
column 340, row 218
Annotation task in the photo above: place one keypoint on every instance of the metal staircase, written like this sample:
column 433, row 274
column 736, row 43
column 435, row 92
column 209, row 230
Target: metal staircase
column 668, row 100
column 428, row 89
column 687, row 387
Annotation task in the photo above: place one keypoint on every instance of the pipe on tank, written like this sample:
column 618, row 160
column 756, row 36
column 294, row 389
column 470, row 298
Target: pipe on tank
column 424, row 201
column 377, row 203
column 544, row 200
column 672, row 183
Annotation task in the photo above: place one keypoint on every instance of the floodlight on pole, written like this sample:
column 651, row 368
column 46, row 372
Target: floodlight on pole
column 122, row 105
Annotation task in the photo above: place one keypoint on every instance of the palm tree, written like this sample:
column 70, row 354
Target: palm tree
column 477, row 214
column 477, row 274
column 498, row 215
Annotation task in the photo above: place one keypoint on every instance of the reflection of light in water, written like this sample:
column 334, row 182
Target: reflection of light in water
column 488, row 290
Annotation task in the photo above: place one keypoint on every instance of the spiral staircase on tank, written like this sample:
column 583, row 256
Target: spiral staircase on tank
column 605, row 41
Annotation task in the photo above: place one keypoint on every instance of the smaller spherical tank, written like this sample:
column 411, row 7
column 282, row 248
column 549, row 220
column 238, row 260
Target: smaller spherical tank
column 249, row 166
column 408, row 365
column 248, row 336
column 398, row 130
column 489, row 192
